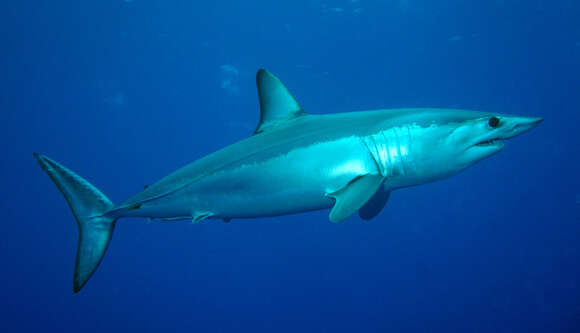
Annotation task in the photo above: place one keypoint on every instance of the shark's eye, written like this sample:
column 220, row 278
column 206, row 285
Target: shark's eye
column 493, row 122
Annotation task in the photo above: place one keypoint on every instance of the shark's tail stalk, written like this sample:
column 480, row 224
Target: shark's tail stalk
column 88, row 205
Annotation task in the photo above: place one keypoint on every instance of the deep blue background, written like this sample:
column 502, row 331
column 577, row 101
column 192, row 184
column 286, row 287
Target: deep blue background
column 124, row 92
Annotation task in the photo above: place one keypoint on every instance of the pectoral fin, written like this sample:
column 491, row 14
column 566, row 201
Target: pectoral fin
column 375, row 204
column 353, row 196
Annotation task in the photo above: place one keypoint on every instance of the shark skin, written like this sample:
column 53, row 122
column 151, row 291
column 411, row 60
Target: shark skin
column 296, row 162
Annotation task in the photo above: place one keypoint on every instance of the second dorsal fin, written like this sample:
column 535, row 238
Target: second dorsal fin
column 276, row 102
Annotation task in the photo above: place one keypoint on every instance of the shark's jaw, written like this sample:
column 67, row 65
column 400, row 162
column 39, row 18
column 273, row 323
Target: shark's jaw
column 492, row 144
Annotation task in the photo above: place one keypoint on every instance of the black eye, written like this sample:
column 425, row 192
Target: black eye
column 493, row 122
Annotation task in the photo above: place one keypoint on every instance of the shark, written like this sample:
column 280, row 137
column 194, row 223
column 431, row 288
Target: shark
column 295, row 162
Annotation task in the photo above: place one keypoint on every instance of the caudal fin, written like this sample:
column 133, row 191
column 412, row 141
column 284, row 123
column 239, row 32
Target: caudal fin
column 88, row 205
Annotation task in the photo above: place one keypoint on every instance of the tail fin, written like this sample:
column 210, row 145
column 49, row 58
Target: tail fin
column 88, row 205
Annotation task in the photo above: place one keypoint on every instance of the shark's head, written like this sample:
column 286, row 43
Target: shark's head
column 475, row 139
column 455, row 140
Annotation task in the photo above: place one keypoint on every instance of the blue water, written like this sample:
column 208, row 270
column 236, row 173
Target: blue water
column 124, row 92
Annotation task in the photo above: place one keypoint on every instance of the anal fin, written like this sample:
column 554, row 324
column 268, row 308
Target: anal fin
column 353, row 196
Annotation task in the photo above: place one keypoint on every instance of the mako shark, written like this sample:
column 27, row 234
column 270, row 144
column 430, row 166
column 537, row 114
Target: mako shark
column 295, row 162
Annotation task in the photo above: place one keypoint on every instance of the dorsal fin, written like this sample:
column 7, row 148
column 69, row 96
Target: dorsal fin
column 276, row 102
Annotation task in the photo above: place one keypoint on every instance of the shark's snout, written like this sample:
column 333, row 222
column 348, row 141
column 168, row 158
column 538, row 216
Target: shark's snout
column 517, row 125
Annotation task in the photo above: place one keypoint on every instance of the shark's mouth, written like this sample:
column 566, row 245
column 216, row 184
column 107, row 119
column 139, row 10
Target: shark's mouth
column 488, row 146
column 490, row 142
